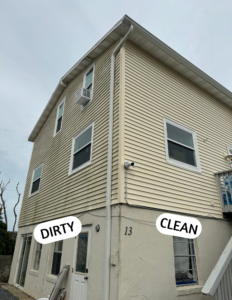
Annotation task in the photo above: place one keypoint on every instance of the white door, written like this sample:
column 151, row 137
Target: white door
column 80, row 265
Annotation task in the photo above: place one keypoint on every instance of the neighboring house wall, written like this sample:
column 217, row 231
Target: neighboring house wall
column 60, row 194
column 154, row 91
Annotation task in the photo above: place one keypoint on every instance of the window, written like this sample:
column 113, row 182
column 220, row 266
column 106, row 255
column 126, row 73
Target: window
column 57, row 258
column 185, row 261
column 37, row 256
column 82, row 149
column 36, row 180
column 88, row 82
column 81, row 260
column 181, row 146
column 59, row 118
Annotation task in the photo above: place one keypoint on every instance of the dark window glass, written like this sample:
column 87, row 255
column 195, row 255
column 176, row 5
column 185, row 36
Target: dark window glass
column 56, row 263
column 35, row 186
column 185, row 261
column 82, row 252
column 179, row 135
column 82, row 156
column 181, row 153
column 59, row 124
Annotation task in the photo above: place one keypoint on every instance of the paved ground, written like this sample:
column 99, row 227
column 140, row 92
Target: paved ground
column 9, row 292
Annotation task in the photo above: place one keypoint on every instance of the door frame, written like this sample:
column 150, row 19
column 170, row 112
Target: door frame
column 86, row 228
column 18, row 259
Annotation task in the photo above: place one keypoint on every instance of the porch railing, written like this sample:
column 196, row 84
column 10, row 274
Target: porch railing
column 219, row 283
column 224, row 183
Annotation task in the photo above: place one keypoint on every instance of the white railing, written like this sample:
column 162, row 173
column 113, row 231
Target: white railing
column 224, row 183
column 219, row 283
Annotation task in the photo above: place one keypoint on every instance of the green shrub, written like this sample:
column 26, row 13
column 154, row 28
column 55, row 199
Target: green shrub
column 7, row 244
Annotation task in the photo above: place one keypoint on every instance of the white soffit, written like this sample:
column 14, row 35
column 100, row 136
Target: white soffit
column 148, row 42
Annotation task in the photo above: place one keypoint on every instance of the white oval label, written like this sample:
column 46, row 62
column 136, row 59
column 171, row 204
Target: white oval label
column 57, row 230
column 179, row 226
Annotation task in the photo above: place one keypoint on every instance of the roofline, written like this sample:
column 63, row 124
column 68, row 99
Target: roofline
column 147, row 35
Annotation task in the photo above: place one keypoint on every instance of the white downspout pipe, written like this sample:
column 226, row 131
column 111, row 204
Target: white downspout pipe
column 109, row 171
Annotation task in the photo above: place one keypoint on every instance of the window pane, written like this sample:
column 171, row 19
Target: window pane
column 56, row 263
column 82, row 156
column 83, row 139
column 37, row 173
column 60, row 113
column 58, row 246
column 181, row 153
column 180, row 135
column 185, row 266
column 90, row 87
column 59, row 124
column 82, row 252
column 37, row 256
column 89, row 78
column 35, row 186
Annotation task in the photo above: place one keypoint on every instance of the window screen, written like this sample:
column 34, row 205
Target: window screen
column 185, row 261
column 57, row 257
column 37, row 256
column 36, row 180
column 82, row 148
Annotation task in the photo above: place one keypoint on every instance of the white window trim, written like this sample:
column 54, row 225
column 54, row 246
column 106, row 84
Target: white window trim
column 228, row 148
column 55, row 133
column 84, row 80
column 32, row 180
column 196, row 168
column 71, row 171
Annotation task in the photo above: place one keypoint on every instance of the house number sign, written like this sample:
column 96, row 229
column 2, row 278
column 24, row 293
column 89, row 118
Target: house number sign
column 181, row 226
column 57, row 230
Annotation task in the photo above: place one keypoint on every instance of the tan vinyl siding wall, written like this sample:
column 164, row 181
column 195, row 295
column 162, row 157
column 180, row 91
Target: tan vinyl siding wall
column 153, row 91
column 59, row 194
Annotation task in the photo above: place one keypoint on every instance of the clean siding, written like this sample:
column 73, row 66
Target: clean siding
column 152, row 91
column 59, row 194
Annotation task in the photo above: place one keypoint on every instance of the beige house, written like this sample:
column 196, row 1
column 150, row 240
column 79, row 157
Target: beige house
column 149, row 106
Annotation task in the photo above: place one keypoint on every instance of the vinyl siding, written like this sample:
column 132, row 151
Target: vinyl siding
column 59, row 194
column 154, row 91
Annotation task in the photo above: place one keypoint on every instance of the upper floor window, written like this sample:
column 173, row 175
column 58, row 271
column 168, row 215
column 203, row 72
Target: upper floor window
column 89, row 80
column 82, row 149
column 37, row 256
column 36, row 180
column 57, row 258
column 185, row 261
column 59, row 117
column 181, row 146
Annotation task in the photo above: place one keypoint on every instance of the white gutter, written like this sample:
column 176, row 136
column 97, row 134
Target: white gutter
column 109, row 171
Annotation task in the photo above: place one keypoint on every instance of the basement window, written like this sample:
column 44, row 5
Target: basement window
column 82, row 149
column 181, row 146
column 185, row 261
column 59, row 118
column 36, row 177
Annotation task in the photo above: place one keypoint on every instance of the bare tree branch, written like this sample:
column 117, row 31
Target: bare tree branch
column 2, row 189
column 19, row 194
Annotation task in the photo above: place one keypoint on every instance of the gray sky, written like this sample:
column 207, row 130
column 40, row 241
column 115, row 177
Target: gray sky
column 42, row 40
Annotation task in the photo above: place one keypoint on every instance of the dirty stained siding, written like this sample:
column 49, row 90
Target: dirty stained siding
column 60, row 194
column 153, row 91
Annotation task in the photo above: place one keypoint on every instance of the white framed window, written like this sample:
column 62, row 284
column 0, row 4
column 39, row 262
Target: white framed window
column 185, row 261
column 82, row 149
column 59, row 118
column 181, row 146
column 56, row 261
column 88, row 82
column 37, row 256
column 229, row 149
column 35, row 182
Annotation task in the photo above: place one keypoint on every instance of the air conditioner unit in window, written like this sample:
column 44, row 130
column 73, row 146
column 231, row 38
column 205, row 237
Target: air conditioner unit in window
column 83, row 96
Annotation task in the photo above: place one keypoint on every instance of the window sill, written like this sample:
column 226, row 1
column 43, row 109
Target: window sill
column 35, row 193
column 34, row 272
column 55, row 134
column 188, row 290
column 80, row 168
column 51, row 278
column 183, row 165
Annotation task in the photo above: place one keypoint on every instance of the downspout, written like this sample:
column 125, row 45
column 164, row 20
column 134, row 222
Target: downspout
column 109, row 171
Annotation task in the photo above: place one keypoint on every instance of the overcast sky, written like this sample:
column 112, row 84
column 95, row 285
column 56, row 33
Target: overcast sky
column 41, row 40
